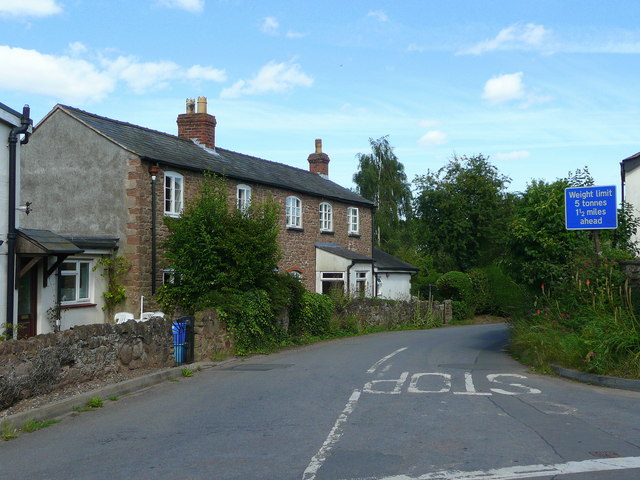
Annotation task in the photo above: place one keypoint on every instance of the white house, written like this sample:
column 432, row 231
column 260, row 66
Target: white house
column 393, row 276
column 630, row 178
column 15, row 129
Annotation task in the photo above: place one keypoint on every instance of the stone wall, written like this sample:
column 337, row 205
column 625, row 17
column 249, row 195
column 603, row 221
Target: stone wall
column 388, row 313
column 297, row 245
column 43, row 363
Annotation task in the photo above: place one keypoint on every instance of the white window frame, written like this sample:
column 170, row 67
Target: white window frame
column 293, row 212
column 326, row 217
column 173, row 194
column 361, row 283
column 243, row 197
column 353, row 220
column 168, row 276
column 76, row 273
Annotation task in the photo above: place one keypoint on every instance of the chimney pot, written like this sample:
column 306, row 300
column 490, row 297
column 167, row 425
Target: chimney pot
column 318, row 145
column 202, row 104
column 191, row 105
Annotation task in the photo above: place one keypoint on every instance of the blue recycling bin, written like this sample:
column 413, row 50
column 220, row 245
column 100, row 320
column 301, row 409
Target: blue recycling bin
column 179, row 330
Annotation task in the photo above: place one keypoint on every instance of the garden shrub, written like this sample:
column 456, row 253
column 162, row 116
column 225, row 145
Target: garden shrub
column 482, row 294
column 313, row 317
column 458, row 287
column 250, row 319
column 507, row 298
column 461, row 310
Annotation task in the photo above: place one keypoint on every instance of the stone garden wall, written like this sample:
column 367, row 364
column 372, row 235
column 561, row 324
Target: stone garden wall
column 389, row 314
column 43, row 363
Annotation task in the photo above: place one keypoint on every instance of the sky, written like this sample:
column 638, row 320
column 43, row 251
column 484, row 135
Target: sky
column 540, row 87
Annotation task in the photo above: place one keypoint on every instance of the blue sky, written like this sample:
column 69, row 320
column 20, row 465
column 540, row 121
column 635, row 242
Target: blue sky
column 541, row 87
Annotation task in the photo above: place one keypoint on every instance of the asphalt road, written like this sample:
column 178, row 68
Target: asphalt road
column 437, row 404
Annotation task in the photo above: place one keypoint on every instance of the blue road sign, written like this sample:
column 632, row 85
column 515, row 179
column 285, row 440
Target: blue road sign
column 590, row 208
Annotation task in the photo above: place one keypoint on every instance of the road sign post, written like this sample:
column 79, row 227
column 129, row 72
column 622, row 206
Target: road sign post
column 591, row 208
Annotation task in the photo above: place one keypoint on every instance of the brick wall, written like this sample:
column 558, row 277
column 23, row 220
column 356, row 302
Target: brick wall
column 297, row 246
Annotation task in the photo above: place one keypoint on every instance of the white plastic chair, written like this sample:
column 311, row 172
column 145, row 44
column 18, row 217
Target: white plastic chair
column 122, row 317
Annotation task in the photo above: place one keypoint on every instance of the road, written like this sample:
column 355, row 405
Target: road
column 436, row 404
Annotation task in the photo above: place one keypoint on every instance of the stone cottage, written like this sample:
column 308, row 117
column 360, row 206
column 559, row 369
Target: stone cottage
column 105, row 185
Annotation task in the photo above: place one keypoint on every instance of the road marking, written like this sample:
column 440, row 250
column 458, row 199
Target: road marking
column 527, row 471
column 413, row 385
column 397, row 385
column 469, row 387
column 334, row 435
column 494, row 378
column 384, row 359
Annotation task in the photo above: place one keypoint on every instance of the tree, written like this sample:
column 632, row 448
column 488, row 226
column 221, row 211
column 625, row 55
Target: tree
column 381, row 178
column 463, row 213
column 215, row 250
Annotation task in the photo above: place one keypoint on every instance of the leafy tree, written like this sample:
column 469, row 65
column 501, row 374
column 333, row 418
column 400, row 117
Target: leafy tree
column 381, row 178
column 215, row 249
column 463, row 213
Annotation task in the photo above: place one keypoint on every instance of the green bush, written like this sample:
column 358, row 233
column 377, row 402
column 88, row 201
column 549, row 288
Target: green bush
column 314, row 315
column 250, row 319
column 461, row 310
column 482, row 292
column 455, row 286
column 506, row 297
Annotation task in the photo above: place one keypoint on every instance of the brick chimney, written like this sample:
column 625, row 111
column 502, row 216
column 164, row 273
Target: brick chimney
column 199, row 126
column 318, row 161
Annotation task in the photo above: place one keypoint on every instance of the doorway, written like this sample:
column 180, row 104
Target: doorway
column 27, row 300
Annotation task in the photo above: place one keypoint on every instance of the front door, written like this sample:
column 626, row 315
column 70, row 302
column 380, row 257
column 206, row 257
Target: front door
column 27, row 301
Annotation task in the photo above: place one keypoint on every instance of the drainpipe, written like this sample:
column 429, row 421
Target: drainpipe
column 25, row 125
column 153, row 170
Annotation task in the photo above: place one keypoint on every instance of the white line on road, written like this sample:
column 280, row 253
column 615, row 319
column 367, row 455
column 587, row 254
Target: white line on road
column 528, row 471
column 384, row 359
column 334, row 435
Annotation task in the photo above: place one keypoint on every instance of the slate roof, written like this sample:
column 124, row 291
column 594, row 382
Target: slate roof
column 630, row 163
column 48, row 242
column 343, row 252
column 94, row 242
column 183, row 153
column 384, row 261
column 9, row 110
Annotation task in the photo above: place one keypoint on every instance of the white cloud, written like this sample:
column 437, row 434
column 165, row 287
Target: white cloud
column 76, row 49
column 510, row 156
column 74, row 79
column 515, row 37
column 29, row 8
column 379, row 14
column 504, row 88
column 433, row 137
column 142, row 76
column 193, row 6
column 273, row 77
column 292, row 34
column 270, row 26
column 198, row 72
column 61, row 77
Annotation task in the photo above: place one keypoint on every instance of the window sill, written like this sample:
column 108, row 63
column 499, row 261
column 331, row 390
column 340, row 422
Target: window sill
column 355, row 235
column 77, row 305
column 327, row 232
column 295, row 229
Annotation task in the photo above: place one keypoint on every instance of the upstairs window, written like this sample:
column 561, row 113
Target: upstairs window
column 74, row 279
column 353, row 221
column 243, row 197
column 326, row 217
column 173, row 193
column 294, row 212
